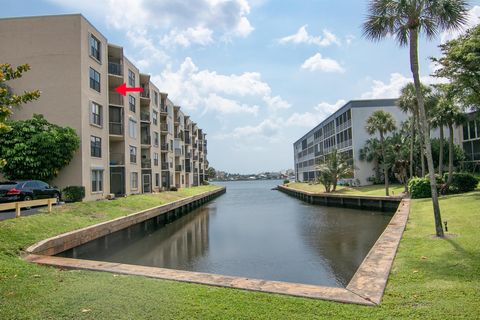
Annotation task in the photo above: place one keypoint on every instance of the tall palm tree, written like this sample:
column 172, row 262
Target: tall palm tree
column 405, row 20
column 381, row 122
column 439, row 119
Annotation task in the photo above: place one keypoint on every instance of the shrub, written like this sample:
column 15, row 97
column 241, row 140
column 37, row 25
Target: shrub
column 438, row 179
column 173, row 188
column 419, row 188
column 286, row 181
column 376, row 180
column 462, row 182
column 73, row 193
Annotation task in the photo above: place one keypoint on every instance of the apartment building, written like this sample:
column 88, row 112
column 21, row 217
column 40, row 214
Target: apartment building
column 345, row 131
column 129, row 145
column 471, row 139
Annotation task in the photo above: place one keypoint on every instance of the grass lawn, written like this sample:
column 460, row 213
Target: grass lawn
column 431, row 278
column 373, row 190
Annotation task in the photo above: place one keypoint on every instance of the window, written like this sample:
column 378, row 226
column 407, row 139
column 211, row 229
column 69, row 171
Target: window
column 97, row 180
column 94, row 80
column 95, row 47
column 96, row 114
column 156, row 139
column 131, row 103
column 155, row 117
column 95, row 147
column 134, row 180
column 131, row 78
column 133, row 154
column 155, row 159
column 155, row 98
column 157, row 179
column 132, row 128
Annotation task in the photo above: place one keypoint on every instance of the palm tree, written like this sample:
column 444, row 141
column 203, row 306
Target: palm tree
column 451, row 115
column 381, row 122
column 408, row 103
column 439, row 119
column 405, row 20
column 336, row 166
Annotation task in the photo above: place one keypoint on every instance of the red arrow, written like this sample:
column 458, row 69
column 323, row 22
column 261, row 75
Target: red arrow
column 122, row 89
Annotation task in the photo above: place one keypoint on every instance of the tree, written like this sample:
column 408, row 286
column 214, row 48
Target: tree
column 9, row 100
column 381, row 122
column 36, row 149
column 211, row 173
column 460, row 64
column 336, row 166
column 405, row 20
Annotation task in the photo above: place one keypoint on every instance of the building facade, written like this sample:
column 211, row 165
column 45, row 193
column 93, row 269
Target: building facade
column 138, row 143
column 344, row 131
column 471, row 140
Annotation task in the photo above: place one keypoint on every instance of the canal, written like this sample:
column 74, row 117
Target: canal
column 255, row 232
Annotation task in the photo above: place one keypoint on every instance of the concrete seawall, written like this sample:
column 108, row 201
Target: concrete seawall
column 167, row 212
column 385, row 204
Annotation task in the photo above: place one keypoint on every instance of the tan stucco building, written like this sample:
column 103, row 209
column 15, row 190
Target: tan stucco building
column 139, row 143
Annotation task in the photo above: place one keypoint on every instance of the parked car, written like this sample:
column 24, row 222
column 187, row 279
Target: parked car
column 25, row 190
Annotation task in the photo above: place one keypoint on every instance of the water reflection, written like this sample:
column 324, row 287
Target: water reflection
column 253, row 232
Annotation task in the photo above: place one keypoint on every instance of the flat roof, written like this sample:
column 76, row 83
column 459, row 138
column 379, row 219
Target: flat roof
column 352, row 104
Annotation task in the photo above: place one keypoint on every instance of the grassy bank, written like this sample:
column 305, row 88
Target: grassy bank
column 373, row 190
column 431, row 278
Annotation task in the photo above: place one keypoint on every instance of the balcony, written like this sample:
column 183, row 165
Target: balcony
column 178, row 168
column 178, row 152
column 146, row 163
column 146, row 140
column 115, row 128
column 344, row 144
column 163, row 127
column 115, row 69
column 195, row 158
column 115, row 98
column 145, row 93
column 164, row 147
column 164, row 165
column 344, row 125
column 117, row 159
column 187, row 140
column 164, row 110
column 145, row 116
column 188, row 155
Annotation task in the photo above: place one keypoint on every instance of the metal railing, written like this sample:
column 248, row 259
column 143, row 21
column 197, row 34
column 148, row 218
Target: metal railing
column 115, row 98
column 146, row 140
column 164, row 165
column 146, row 163
column 178, row 168
column 178, row 152
column 145, row 93
column 344, row 125
column 115, row 68
column 117, row 159
column 145, row 116
column 115, row 128
column 163, row 127
column 164, row 147
column 344, row 144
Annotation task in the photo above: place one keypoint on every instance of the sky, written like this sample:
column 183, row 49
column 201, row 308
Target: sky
column 256, row 75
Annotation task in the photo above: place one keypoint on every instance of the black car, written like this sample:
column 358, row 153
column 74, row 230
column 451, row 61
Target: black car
column 24, row 190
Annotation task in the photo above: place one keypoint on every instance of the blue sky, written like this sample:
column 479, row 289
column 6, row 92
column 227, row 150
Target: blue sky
column 256, row 75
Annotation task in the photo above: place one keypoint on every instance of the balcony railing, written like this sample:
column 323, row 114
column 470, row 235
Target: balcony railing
column 178, row 168
column 146, row 140
column 145, row 93
column 187, row 140
column 188, row 169
column 146, row 163
column 117, row 159
column 164, row 165
column 344, row 125
column 188, row 155
column 115, row 128
column 178, row 152
column 144, row 116
column 115, row 98
column 164, row 147
column 344, row 144
column 115, row 68
column 163, row 109
column 163, row 127
column 195, row 158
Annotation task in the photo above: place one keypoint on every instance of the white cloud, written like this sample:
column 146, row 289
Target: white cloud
column 473, row 19
column 302, row 36
column 312, row 118
column 384, row 90
column 268, row 128
column 276, row 103
column 349, row 39
column 227, row 106
column 198, row 35
column 318, row 63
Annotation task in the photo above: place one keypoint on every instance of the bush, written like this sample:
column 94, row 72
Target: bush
column 438, row 179
column 73, row 193
column 376, row 180
column 286, row 181
column 419, row 188
column 173, row 188
column 462, row 182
